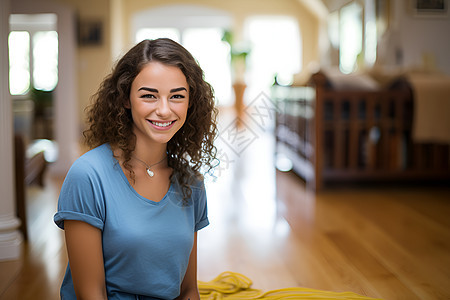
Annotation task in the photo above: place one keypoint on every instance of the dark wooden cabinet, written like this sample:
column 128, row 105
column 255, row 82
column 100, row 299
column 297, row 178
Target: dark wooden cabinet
column 348, row 134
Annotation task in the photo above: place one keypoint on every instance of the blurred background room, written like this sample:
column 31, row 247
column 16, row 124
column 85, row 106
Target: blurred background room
column 334, row 136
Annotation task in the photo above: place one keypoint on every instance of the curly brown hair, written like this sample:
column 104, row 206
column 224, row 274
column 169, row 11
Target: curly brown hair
column 109, row 121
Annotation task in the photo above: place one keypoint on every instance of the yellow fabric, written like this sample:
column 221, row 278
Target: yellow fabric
column 235, row 286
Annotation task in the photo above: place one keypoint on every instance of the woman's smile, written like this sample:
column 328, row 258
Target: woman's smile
column 162, row 125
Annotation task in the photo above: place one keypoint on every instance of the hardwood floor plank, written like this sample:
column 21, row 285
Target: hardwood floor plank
column 9, row 270
column 434, row 205
column 422, row 278
column 380, row 278
column 304, row 267
column 341, row 276
column 413, row 231
column 345, row 276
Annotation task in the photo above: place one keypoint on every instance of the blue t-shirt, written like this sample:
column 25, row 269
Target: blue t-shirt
column 146, row 244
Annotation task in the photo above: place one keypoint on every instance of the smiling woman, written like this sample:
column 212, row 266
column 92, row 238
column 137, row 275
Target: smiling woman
column 131, row 207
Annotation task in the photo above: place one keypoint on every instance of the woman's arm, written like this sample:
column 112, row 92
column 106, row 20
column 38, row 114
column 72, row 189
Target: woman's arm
column 84, row 248
column 189, row 289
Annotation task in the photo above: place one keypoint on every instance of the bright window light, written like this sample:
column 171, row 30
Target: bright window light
column 19, row 62
column 155, row 33
column 350, row 37
column 333, row 28
column 213, row 57
column 275, row 50
column 371, row 43
column 45, row 60
column 370, row 32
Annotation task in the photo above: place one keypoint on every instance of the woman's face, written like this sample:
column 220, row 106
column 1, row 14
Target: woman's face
column 159, row 100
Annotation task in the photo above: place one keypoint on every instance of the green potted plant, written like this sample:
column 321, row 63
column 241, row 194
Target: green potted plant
column 43, row 106
column 43, row 101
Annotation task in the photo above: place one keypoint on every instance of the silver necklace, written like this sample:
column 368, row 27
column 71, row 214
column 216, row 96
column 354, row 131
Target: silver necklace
column 150, row 173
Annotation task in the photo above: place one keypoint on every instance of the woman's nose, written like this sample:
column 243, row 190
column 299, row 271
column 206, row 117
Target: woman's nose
column 163, row 107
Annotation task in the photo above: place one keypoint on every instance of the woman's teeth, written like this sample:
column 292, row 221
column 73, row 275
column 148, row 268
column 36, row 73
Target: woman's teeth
column 162, row 124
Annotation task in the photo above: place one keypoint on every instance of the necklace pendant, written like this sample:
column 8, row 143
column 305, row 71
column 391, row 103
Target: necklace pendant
column 150, row 172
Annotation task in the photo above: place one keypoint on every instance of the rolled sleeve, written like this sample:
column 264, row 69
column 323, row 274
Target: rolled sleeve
column 201, row 208
column 81, row 197
column 62, row 216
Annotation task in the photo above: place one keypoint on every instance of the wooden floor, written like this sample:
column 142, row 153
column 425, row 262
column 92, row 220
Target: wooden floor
column 389, row 242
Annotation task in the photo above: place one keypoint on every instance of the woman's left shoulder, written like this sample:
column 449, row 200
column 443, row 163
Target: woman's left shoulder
column 197, row 183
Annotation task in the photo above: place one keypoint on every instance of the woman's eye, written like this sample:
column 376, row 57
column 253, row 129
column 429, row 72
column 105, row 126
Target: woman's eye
column 178, row 97
column 149, row 96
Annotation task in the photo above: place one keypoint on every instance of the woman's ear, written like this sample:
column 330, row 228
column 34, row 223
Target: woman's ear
column 127, row 104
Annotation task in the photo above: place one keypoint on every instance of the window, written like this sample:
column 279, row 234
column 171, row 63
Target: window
column 351, row 34
column 212, row 55
column 33, row 53
column 353, row 29
column 199, row 29
column 19, row 62
column 45, row 58
column 154, row 33
column 275, row 50
column 333, row 29
column 370, row 32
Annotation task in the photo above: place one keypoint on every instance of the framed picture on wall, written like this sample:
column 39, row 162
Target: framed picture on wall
column 90, row 32
column 438, row 8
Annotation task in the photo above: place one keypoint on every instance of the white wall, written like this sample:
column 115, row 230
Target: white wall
column 421, row 35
